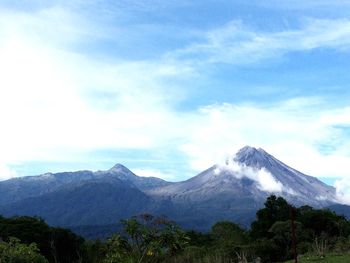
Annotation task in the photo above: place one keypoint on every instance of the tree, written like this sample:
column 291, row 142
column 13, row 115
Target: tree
column 230, row 240
column 15, row 252
column 282, row 236
column 226, row 231
column 154, row 237
column 324, row 222
column 66, row 246
column 28, row 230
column 56, row 244
column 117, row 249
column 276, row 209
column 95, row 250
column 199, row 239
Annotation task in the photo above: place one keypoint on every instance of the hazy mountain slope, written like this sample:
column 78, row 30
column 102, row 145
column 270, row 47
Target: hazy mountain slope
column 341, row 210
column 121, row 172
column 88, row 203
column 298, row 187
column 231, row 191
column 16, row 189
column 236, row 190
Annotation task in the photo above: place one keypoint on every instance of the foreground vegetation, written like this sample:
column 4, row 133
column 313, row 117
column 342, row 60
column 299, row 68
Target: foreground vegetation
column 320, row 236
column 329, row 258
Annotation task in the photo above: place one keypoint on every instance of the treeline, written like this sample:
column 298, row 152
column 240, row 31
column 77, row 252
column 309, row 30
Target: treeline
column 278, row 232
column 29, row 239
column 317, row 232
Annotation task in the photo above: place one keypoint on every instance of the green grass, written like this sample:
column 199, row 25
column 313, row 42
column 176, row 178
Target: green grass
column 331, row 258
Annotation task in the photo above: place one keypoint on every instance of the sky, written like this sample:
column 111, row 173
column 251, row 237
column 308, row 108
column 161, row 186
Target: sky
column 169, row 88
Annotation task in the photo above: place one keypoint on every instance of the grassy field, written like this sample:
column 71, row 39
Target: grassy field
column 328, row 259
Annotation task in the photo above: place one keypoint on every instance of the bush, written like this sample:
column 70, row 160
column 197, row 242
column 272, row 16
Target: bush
column 15, row 252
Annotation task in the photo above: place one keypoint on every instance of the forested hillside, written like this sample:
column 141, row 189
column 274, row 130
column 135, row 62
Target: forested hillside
column 279, row 233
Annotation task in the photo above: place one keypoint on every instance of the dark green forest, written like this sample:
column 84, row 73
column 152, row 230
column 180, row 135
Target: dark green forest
column 279, row 232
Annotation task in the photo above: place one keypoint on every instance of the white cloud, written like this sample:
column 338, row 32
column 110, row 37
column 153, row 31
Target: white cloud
column 264, row 180
column 235, row 43
column 147, row 172
column 6, row 172
column 45, row 104
column 290, row 131
column 55, row 103
column 47, row 27
column 267, row 182
column 343, row 190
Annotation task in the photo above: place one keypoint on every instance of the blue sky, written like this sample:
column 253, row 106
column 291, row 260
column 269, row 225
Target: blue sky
column 169, row 88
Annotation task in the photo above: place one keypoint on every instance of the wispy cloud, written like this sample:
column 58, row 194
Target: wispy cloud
column 57, row 99
column 53, row 27
column 55, row 102
column 291, row 131
column 263, row 179
column 236, row 43
column 149, row 172
column 6, row 172
column 305, row 5
column 342, row 190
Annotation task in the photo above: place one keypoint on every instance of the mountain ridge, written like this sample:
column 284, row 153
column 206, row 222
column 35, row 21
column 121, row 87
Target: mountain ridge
column 233, row 191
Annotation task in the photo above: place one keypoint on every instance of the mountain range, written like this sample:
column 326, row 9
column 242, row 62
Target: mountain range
column 234, row 190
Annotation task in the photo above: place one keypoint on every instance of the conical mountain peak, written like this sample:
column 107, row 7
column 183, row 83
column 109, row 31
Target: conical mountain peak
column 247, row 150
column 252, row 156
column 119, row 168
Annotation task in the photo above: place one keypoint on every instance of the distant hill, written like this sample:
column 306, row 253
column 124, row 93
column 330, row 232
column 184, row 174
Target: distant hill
column 341, row 210
column 17, row 189
column 101, row 232
column 91, row 202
